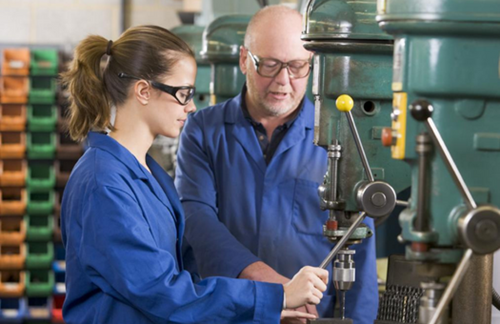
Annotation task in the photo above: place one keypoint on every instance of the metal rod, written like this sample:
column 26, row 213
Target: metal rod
column 359, row 146
column 452, row 286
column 342, row 304
column 450, row 164
column 341, row 242
column 402, row 203
column 422, row 148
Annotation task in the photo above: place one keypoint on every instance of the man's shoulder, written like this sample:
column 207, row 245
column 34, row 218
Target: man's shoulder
column 216, row 114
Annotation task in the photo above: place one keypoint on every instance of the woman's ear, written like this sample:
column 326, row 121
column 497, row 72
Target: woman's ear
column 142, row 91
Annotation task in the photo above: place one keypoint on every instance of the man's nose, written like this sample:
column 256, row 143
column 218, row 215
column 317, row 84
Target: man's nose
column 283, row 77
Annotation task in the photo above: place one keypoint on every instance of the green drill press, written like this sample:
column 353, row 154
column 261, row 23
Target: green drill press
column 222, row 39
column 446, row 82
column 193, row 35
column 352, row 56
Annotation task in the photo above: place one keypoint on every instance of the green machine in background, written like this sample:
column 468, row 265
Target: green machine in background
column 446, row 126
column 193, row 35
column 222, row 39
column 352, row 75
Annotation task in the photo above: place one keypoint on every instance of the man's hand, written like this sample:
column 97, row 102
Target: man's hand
column 259, row 271
column 290, row 316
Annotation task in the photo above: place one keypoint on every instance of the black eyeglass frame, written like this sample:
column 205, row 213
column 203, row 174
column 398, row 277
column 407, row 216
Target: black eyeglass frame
column 256, row 60
column 164, row 87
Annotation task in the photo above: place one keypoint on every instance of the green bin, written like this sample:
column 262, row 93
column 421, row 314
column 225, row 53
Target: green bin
column 40, row 203
column 42, row 117
column 39, row 227
column 41, row 145
column 41, row 176
column 39, row 255
column 42, row 90
column 44, row 62
column 39, row 283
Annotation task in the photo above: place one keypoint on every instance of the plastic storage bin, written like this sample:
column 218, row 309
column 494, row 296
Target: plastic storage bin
column 39, row 227
column 57, row 228
column 41, row 145
column 38, row 309
column 57, row 304
column 59, row 267
column 12, row 256
column 44, row 62
column 62, row 117
column 14, row 89
column 42, row 117
column 41, row 176
column 16, row 61
column 12, row 283
column 13, row 117
column 13, row 173
column 40, row 202
column 42, row 90
column 39, row 255
column 39, row 283
column 13, row 201
column 12, row 145
column 63, row 170
column 12, row 230
column 67, row 148
column 12, row 310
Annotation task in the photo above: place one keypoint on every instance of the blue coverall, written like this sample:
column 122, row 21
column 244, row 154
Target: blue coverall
column 122, row 228
column 240, row 210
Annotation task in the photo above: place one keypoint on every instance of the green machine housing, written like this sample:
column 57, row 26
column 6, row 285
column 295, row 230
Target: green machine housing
column 352, row 56
column 222, row 39
column 193, row 36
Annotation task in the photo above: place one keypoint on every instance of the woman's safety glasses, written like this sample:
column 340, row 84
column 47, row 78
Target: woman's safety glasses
column 183, row 95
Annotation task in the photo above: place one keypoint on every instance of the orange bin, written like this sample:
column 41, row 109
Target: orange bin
column 63, row 170
column 12, row 145
column 13, row 117
column 16, row 61
column 12, row 230
column 12, row 283
column 14, row 89
column 67, row 148
column 12, row 256
column 12, row 201
column 13, row 173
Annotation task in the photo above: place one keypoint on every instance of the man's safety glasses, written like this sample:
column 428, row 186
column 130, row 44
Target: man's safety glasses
column 269, row 68
column 183, row 95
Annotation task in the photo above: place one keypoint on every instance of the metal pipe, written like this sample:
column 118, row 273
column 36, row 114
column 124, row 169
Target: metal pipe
column 340, row 244
column 402, row 203
column 452, row 285
column 450, row 164
column 359, row 146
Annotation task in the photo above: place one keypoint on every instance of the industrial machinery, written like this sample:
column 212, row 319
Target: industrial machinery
column 222, row 39
column 193, row 36
column 445, row 113
column 352, row 56
column 446, row 81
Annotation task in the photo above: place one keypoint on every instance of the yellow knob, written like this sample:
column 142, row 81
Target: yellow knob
column 344, row 103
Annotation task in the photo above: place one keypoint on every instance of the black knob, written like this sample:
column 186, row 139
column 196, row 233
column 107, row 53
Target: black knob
column 421, row 109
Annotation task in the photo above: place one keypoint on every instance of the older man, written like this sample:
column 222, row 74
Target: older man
column 248, row 173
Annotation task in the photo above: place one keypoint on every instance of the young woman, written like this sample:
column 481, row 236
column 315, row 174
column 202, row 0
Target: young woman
column 121, row 219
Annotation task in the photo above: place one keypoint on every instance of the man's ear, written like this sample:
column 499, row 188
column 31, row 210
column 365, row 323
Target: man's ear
column 142, row 91
column 243, row 59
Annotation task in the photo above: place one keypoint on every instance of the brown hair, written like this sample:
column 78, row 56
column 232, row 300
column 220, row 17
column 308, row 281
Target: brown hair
column 144, row 51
